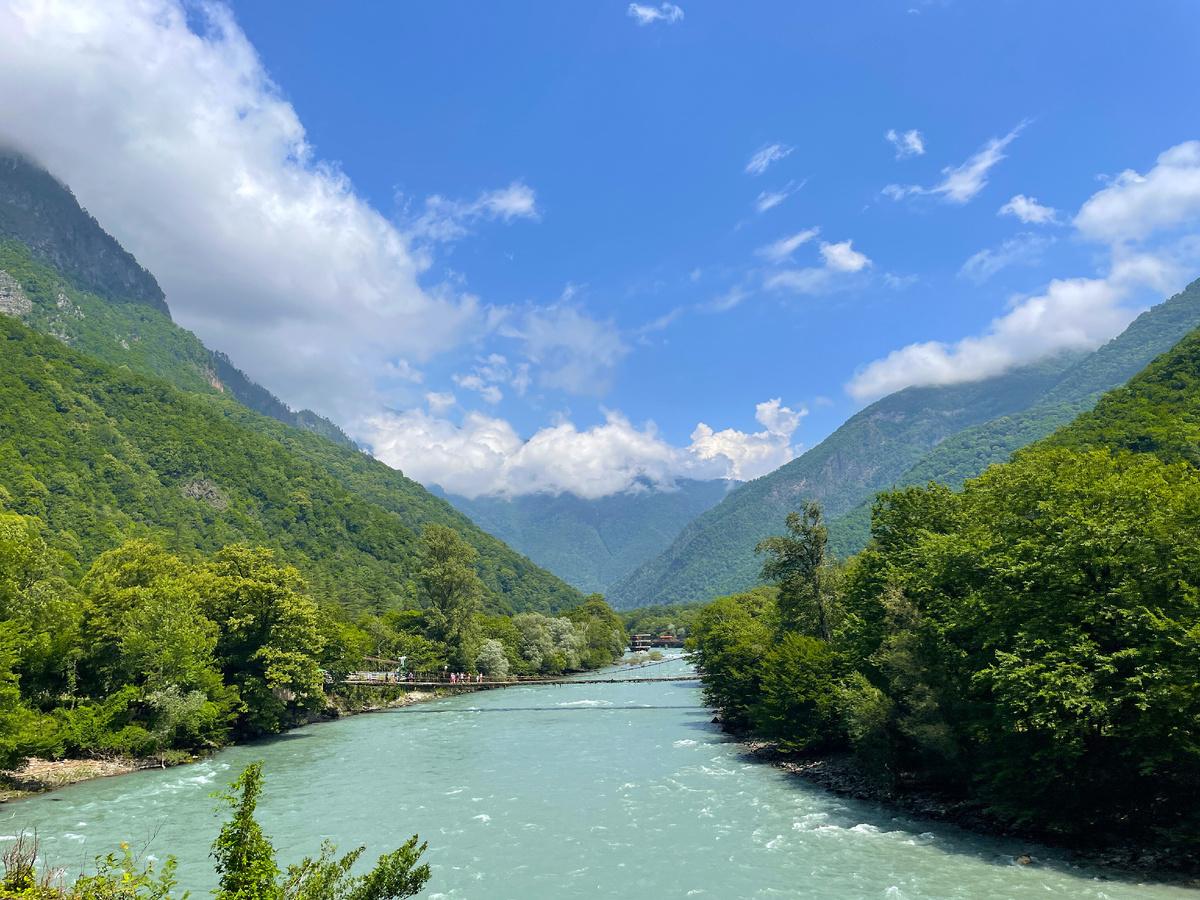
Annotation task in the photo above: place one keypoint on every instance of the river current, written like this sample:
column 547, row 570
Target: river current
column 577, row 791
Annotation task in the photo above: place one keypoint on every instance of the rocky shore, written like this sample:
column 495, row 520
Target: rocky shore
column 1121, row 860
column 40, row 775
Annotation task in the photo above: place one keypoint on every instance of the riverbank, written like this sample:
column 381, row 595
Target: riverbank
column 39, row 776
column 839, row 774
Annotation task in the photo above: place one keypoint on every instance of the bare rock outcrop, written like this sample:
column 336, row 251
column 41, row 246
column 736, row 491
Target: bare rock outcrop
column 13, row 301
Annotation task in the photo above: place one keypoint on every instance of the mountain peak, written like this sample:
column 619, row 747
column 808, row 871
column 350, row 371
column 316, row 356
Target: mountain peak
column 39, row 211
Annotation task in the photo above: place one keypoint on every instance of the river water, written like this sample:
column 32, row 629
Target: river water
column 579, row 791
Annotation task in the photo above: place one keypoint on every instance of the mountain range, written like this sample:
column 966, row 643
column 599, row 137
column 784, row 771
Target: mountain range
column 591, row 543
column 945, row 433
column 131, row 425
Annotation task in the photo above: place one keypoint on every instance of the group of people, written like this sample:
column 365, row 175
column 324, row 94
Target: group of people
column 465, row 678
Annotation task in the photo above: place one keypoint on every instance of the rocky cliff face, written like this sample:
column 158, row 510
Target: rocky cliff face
column 41, row 213
column 13, row 301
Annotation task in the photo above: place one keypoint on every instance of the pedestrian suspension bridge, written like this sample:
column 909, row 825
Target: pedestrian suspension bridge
column 386, row 679
column 415, row 680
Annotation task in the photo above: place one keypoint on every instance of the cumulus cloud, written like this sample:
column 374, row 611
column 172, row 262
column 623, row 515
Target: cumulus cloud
column 668, row 13
column 842, row 257
column 783, row 248
column 177, row 140
column 1029, row 211
column 1025, row 248
column 839, row 261
column 1135, row 205
column 961, row 183
column 906, row 143
column 747, row 456
column 484, row 455
column 1070, row 314
column 765, row 157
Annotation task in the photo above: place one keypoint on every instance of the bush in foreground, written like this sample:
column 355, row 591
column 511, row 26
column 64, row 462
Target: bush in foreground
column 245, row 862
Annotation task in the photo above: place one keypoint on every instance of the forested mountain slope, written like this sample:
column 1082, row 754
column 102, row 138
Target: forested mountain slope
column 1157, row 412
column 972, row 450
column 64, row 275
column 102, row 453
column 197, row 469
column 593, row 543
column 963, row 430
column 715, row 554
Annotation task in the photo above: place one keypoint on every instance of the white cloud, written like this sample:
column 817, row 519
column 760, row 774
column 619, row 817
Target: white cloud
column 1135, row 205
column 180, row 144
column 661, row 322
column 648, row 15
column 485, row 455
column 767, row 200
column 779, row 419
column 752, row 455
column 839, row 260
column 1029, row 211
column 809, row 280
column 492, row 373
column 449, row 220
column 473, row 382
column 403, row 370
column 906, row 143
column 842, row 257
column 439, row 402
column 1025, row 248
column 728, row 300
column 961, row 183
column 570, row 350
column 783, row 248
column 1070, row 314
column 899, row 282
column 762, row 160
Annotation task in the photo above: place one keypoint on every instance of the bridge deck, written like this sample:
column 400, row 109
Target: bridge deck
column 523, row 683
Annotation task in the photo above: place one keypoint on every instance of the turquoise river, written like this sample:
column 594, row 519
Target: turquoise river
column 577, row 791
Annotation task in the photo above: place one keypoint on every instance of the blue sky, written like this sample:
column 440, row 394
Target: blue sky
column 597, row 221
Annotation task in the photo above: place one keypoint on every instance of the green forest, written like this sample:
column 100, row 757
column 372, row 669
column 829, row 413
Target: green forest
column 154, row 654
column 1027, row 644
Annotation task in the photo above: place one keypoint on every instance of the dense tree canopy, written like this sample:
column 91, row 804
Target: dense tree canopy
column 1031, row 642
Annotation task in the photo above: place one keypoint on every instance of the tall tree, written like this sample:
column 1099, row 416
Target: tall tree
column 269, row 644
column 451, row 591
column 796, row 562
